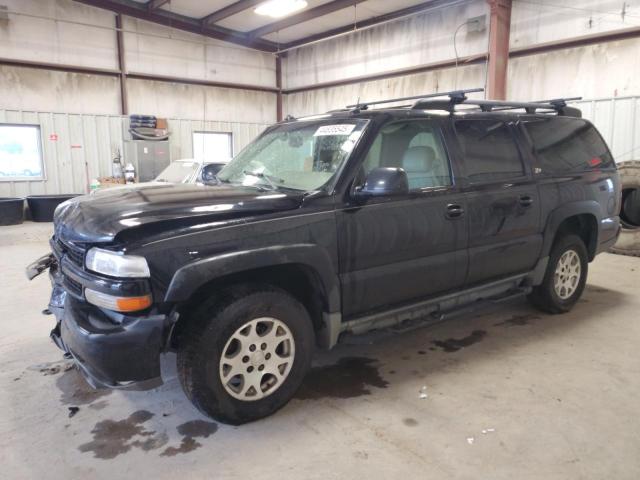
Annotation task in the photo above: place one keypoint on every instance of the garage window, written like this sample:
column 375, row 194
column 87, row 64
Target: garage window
column 212, row 146
column 20, row 153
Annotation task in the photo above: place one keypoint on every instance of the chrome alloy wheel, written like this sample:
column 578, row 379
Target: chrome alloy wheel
column 257, row 359
column 567, row 275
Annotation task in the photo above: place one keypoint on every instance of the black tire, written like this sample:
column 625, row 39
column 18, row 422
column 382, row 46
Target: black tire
column 544, row 296
column 212, row 325
column 629, row 240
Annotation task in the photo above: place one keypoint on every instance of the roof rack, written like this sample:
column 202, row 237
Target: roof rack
column 454, row 96
column 558, row 105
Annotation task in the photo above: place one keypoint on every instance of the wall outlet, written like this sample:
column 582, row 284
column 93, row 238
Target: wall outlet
column 477, row 24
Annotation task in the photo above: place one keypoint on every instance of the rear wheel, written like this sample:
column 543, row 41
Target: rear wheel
column 565, row 277
column 243, row 355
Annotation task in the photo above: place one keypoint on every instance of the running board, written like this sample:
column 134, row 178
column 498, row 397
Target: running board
column 428, row 312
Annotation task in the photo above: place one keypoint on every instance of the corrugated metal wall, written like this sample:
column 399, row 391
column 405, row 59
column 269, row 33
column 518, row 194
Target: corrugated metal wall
column 86, row 145
column 618, row 120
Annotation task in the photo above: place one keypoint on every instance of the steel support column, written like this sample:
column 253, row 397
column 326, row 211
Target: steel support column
column 279, row 87
column 500, row 26
column 124, row 109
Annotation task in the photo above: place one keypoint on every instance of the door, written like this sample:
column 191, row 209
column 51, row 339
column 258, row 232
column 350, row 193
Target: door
column 505, row 235
column 393, row 250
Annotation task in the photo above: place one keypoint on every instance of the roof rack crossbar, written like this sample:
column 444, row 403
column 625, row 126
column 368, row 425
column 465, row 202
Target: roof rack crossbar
column 556, row 105
column 457, row 94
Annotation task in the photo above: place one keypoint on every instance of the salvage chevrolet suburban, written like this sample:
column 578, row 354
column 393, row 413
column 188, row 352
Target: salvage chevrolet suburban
column 354, row 220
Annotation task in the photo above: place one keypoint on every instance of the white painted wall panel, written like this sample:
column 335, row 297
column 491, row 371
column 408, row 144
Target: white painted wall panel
column 542, row 21
column 322, row 100
column 618, row 120
column 193, row 56
column 417, row 40
column 603, row 70
column 50, row 41
column 196, row 101
column 47, row 90
column 86, row 145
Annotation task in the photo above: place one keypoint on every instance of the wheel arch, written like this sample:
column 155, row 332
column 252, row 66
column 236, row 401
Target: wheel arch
column 580, row 218
column 304, row 271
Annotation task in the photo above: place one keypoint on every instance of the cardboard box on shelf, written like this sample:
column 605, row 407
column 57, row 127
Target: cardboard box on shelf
column 106, row 182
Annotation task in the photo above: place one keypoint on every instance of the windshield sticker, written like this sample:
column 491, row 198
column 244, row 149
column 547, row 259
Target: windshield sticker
column 341, row 129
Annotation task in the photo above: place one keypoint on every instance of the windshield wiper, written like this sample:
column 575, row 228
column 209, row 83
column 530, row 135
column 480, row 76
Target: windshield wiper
column 263, row 176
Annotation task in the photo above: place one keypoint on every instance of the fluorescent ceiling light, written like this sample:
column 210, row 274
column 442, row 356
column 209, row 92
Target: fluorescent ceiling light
column 280, row 8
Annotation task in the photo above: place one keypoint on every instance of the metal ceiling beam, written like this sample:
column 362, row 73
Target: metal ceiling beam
column 156, row 4
column 230, row 10
column 180, row 22
column 303, row 16
column 369, row 22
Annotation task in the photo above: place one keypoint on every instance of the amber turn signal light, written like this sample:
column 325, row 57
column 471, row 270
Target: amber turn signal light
column 118, row 304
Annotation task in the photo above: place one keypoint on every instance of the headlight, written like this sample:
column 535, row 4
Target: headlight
column 116, row 264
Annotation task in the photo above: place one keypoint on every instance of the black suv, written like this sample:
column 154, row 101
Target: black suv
column 353, row 220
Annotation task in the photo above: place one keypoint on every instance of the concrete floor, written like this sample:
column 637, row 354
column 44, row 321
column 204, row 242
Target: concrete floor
column 510, row 393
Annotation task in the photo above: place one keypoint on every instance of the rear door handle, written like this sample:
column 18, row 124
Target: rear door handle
column 526, row 201
column 454, row 211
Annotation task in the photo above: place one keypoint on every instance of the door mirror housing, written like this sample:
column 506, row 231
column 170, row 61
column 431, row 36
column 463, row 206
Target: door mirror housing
column 209, row 173
column 384, row 182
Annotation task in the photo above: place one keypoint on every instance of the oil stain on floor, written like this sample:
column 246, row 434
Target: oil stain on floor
column 410, row 422
column 75, row 390
column 454, row 344
column 190, row 431
column 115, row 437
column 52, row 368
column 350, row 377
column 518, row 320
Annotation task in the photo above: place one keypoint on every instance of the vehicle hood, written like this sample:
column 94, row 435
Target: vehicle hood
column 99, row 217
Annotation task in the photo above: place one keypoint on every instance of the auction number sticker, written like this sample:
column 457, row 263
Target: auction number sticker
column 342, row 129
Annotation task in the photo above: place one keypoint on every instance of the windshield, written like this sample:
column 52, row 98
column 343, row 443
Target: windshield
column 300, row 155
column 178, row 172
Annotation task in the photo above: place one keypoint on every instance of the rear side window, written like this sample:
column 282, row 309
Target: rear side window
column 489, row 149
column 568, row 145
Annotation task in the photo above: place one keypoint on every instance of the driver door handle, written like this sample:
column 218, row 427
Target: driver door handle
column 454, row 210
column 526, row 201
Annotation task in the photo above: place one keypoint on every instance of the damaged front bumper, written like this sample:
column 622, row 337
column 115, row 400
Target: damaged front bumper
column 112, row 350
column 124, row 353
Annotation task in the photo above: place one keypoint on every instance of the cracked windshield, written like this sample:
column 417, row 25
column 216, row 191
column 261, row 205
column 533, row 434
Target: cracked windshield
column 300, row 155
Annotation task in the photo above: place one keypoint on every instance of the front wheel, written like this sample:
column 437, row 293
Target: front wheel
column 243, row 355
column 565, row 277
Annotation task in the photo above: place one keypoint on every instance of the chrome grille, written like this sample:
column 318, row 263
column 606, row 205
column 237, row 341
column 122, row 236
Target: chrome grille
column 72, row 286
column 74, row 253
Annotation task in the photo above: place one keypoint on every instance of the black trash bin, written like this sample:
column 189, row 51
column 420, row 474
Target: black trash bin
column 11, row 211
column 42, row 207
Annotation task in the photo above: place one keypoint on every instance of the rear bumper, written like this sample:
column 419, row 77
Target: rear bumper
column 609, row 232
column 112, row 352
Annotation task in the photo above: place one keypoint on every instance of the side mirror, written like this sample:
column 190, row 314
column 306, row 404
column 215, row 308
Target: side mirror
column 384, row 182
column 209, row 173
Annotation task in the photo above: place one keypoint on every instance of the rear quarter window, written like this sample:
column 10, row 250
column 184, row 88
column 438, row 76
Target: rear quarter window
column 564, row 145
column 490, row 153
